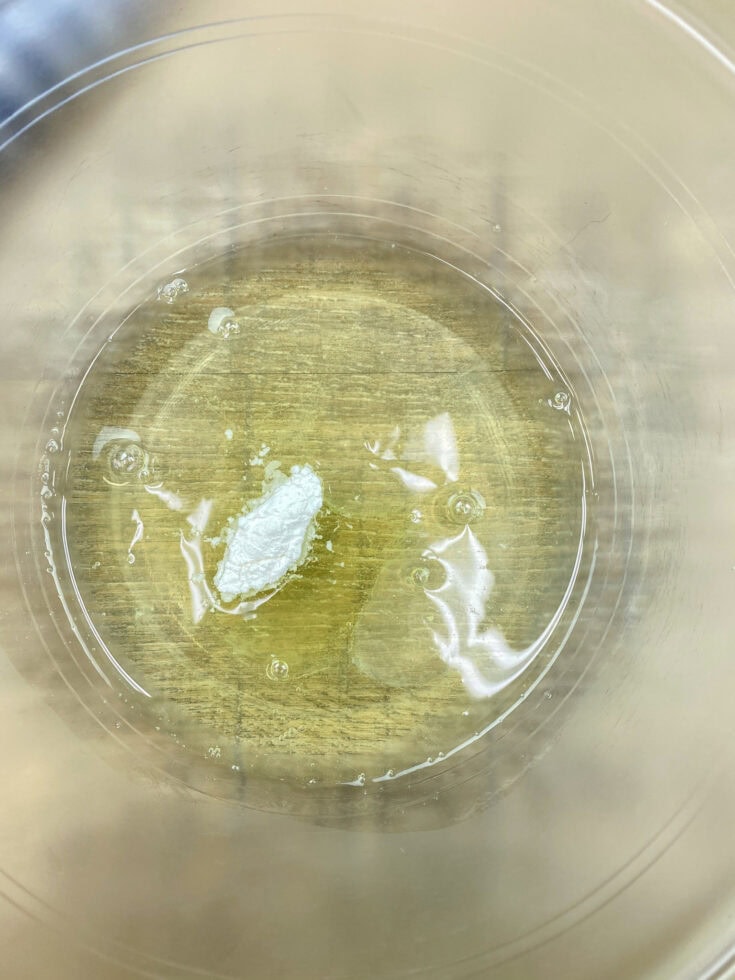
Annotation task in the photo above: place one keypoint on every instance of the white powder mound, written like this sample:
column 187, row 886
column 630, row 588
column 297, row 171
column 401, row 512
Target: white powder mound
column 273, row 537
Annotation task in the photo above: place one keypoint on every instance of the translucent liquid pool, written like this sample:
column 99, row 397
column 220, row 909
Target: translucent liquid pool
column 423, row 596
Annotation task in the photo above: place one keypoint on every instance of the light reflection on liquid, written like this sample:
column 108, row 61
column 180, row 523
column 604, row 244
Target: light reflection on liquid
column 485, row 661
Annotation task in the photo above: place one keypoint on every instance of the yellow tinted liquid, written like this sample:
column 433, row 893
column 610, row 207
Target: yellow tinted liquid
column 451, row 470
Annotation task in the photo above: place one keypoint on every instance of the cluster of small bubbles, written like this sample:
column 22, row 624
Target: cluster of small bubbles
column 222, row 322
column 214, row 752
column 129, row 459
column 427, row 573
column 312, row 781
column 277, row 670
column 172, row 290
column 415, row 516
column 46, row 492
column 465, row 506
column 52, row 446
column 235, row 768
column 361, row 779
column 391, row 773
column 561, row 402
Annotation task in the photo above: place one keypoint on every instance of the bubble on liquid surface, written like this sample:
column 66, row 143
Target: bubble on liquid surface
column 222, row 322
column 172, row 290
column 129, row 459
column 561, row 402
column 465, row 506
column 427, row 573
column 277, row 670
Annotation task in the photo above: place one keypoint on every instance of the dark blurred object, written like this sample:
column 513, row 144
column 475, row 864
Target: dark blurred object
column 42, row 42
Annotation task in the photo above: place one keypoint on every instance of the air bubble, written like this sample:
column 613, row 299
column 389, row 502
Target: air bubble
column 131, row 558
column 277, row 670
column 415, row 516
column 427, row 573
column 561, row 402
column 172, row 290
column 129, row 459
column 126, row 459
column 465, row 506
column 222, row 322
column 52, row 446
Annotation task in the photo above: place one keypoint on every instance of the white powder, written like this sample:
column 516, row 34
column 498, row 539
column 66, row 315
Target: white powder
column 273, row 537
column 257, row 460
